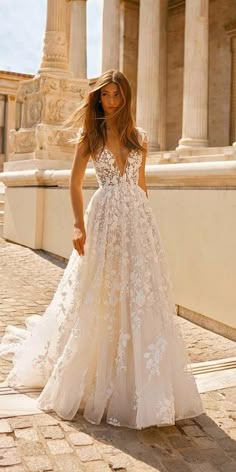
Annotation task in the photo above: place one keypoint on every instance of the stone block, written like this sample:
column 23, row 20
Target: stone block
column 9, row 456
column 5, row 426
column 38, row 463
column 69, row 463
column 88, row 453
column 52, row 432
column 29, row 434
column 59, row 446
column 30, row 448
column 46, row 420
column 179, row 441
column 80, row 439
column 193, row 431
column 6, row 441
column 97, row 466
column 21, row 422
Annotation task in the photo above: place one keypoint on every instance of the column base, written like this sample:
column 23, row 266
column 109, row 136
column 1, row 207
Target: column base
column 189, row 143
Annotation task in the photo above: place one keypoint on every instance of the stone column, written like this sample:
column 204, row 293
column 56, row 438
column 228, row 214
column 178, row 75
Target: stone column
column 68, row 25
column 129, row 32
column 163, row 75
column 10, row 122
column 55, row 50
column 195, row 100
column 231, row 30
column 78, row 36
column 148, row 70
column 111, row 35
column 233, row 92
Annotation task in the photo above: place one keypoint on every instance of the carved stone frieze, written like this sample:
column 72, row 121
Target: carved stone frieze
column 22, row 141
column 48, row 84
column 57, row 110
column 50, row 99
column 34, row 111
column 41, row 138
column 27, row 88
column 47, row 100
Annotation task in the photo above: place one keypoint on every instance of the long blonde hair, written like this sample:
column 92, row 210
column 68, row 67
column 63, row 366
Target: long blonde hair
column 90, row 115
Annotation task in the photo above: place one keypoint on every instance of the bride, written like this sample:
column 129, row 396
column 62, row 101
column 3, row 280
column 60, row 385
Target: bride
column 109, row 345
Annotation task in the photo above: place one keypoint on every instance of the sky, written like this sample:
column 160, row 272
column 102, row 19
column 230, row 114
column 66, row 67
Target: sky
column 21, row 34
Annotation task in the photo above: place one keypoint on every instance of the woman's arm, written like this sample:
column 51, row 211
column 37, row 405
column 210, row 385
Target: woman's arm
column 142, row 178
column 76, row 181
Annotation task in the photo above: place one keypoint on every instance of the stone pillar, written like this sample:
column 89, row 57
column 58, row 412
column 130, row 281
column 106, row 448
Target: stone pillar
column 163, row 75
column 231, row 30
column 78, row 36
column 129, row 33
column 68, row 25
column 148, row 70
column 55, row 49
column 10, row 122
column 195, row 100
column 111, row 35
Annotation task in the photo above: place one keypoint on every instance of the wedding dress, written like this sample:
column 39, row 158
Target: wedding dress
column 109, row 344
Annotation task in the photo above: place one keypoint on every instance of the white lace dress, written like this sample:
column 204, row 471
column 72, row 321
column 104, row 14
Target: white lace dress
column 109, row 344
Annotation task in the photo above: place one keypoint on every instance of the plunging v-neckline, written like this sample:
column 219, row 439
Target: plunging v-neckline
column 116, row 163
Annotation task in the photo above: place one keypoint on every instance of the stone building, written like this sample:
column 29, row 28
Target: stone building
column 180, row 59
column 10, row 112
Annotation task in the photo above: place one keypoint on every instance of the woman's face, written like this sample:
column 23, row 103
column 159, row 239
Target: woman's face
column 111, row 98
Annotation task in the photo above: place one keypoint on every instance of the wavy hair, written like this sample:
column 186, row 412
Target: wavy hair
column 90, row 116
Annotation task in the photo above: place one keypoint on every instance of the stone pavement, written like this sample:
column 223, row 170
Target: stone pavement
column 43, row 442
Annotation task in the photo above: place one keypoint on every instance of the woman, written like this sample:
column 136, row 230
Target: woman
column 109, row 344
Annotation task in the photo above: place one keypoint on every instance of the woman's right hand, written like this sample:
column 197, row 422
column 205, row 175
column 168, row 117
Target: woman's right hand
column 79, row 238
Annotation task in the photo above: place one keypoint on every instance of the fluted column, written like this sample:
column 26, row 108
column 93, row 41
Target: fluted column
column 231, row 30
column 148, row 69
column 195, row 100
column 111, row 35
column 55, row 50
column 68, row 24
column 233, row 93
column 78, row 57
column 163, row 75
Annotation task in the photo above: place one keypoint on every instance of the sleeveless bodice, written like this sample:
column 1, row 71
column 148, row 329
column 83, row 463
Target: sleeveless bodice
column 107, row 170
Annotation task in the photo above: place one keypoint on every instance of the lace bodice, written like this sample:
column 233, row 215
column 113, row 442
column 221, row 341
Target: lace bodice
column 107, row 170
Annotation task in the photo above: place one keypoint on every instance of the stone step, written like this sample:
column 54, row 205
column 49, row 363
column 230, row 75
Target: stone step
column 1, row 216
column 213, row 366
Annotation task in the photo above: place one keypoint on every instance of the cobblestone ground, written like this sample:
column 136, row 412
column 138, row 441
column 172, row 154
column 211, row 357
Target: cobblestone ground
column 43, row 442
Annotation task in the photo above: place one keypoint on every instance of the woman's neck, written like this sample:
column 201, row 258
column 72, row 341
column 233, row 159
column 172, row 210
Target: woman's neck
column 111, row 124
